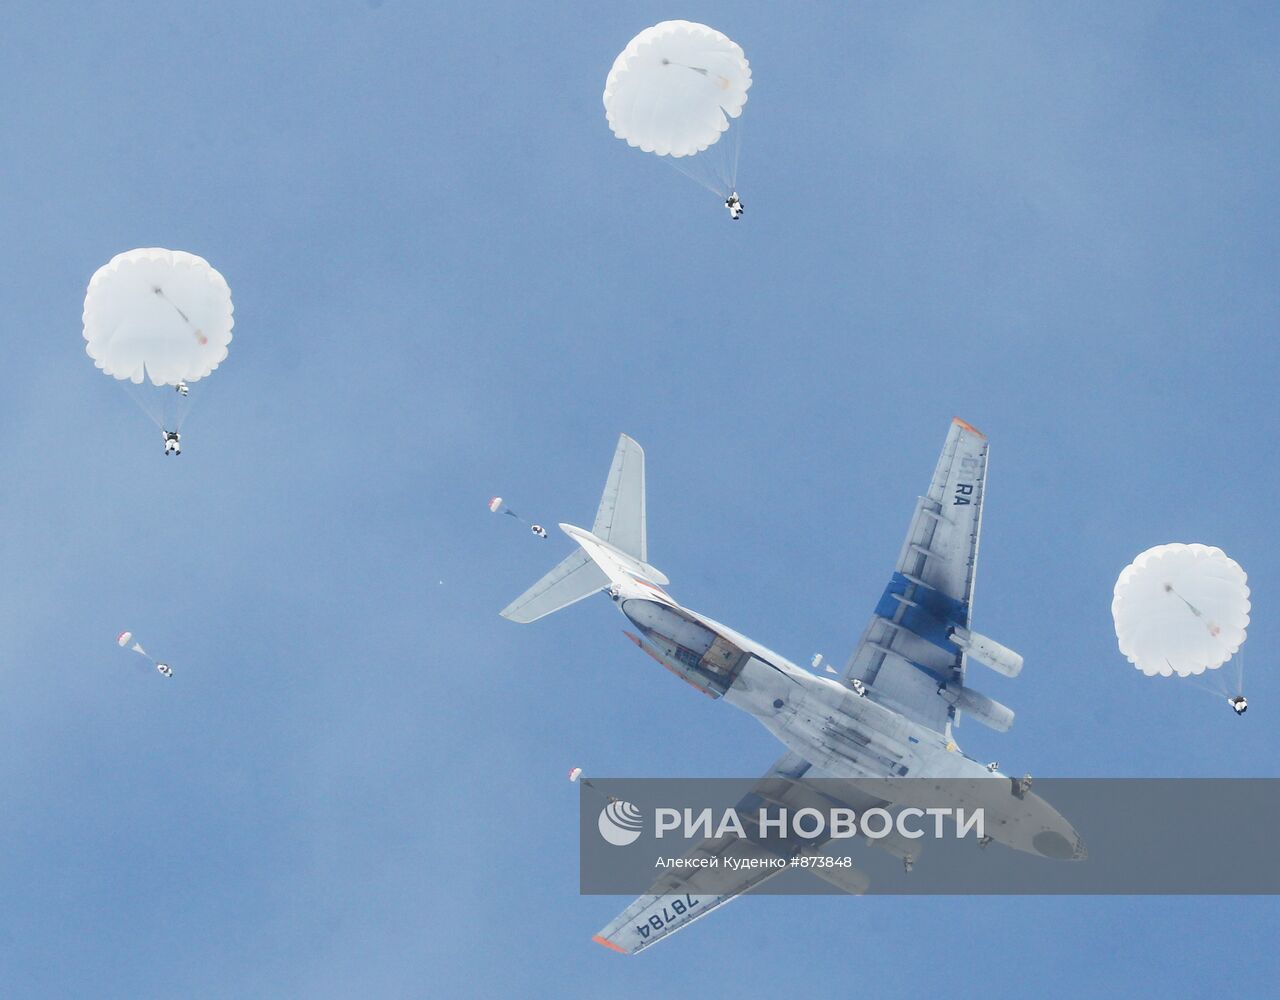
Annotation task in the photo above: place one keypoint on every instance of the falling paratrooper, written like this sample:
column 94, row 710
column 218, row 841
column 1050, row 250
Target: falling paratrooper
column 496, row 506
column 159, row 321
column 126, row 640
column 673, row 92
column 1183, row 609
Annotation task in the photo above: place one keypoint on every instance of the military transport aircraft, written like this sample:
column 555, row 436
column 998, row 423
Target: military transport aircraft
column 888, row 715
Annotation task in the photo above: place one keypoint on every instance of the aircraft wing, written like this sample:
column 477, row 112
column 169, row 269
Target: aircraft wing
column 905, row 653
column 678, row 899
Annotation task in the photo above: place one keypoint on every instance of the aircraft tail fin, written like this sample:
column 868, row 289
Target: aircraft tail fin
column 620, row 521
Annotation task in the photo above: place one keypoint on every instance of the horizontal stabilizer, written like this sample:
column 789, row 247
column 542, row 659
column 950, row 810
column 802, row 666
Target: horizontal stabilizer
column 571, row 580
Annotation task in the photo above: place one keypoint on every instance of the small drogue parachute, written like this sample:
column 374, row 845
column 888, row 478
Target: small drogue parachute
column 1181, row 609
column 159, row 321
column 575, row 773
column 125, row 639
column 497, row 506
column 673, row 91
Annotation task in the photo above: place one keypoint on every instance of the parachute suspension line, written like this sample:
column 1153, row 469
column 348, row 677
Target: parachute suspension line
column 1219, row 683
column 1214, row 630
column 586, row 783
column 676, row 161
column 146, row 402
column 181, row 404
column 200, row 337
column 1210, row 681
column 716, row 167
column 165, row 406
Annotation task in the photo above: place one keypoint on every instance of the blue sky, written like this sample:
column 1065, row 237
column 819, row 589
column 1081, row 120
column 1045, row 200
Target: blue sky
column 450, row 281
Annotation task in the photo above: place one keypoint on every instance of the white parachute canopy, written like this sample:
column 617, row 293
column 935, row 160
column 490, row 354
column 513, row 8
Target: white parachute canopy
column 1181, row 609
column 498, row 506
column 575, row 773
column 673, row 90
column 164, row 315
column 125, row 640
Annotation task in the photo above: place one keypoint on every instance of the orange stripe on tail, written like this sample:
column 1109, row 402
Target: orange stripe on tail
column 609, row 944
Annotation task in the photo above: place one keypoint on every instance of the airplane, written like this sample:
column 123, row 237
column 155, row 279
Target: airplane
column 888, row 714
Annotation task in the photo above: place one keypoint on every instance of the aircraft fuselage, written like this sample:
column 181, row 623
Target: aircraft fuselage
column 840, row 732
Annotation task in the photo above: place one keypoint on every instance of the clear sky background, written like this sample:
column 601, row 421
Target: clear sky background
column 1057, row 221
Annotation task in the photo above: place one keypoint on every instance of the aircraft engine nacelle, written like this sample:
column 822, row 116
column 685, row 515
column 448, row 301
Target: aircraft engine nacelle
column 986, row 710
column 988, row 652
